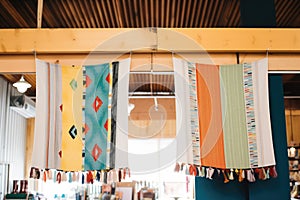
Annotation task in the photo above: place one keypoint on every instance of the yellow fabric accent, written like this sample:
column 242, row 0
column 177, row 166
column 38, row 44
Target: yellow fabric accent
column 72, row 115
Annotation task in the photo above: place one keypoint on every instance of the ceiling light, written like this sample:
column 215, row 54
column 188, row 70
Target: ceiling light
column 130, row 108
column 155, row 104
column 22, row 85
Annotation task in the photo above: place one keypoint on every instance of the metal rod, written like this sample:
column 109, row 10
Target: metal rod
column 153, row 72
column 284, row 72
column 150, row 97
column 292, row 97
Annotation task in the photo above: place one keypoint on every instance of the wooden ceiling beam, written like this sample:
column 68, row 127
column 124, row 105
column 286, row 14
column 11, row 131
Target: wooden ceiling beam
column 20, row 64
column 25, row 41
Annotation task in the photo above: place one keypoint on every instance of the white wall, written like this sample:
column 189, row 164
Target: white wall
column 12, row 134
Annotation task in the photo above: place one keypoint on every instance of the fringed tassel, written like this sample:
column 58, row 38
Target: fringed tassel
column 126, row 171
column 182, row 166
column 211, row 172
column 50, row 175
column 74, row 177
column 231, row 175
column 203, row 171
column 187, row 170
column 70, row 177
column 177, row 167
column 226, row 180
column 250, row 175
column 58, row 177
column 45, row 176
column 241, row 175
column 261, row 173
column 89, row 177
column 98, row 175
column 192, row 170
column 82, row 179
column 197, row 171
column 64, row 177
column 264, row 174
column 267, row 172
column 273, row 172
column 54, row 176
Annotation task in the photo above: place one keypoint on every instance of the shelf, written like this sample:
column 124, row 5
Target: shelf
column 296, row 147
column 293, row 158
column 294, row 170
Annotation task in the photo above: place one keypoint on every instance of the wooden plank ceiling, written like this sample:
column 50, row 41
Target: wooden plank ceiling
column 132, row 14
column 136, row 13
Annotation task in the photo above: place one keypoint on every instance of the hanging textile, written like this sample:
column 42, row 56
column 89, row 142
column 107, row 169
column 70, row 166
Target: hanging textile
column 97, row 121
column 48, row 128
column 226, row 114
column 183, row 114
column 71, row 108
column 82, row 121
column 120, row 115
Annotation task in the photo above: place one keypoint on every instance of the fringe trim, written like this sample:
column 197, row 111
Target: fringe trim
column 250, row 175
column 59, row 176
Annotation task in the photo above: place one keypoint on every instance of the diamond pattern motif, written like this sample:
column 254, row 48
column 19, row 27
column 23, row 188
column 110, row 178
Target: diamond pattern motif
column 108, row 78
column 86, row 128
column 73, row 132
column 88, row 81
column 106, row 125
column 96, row 152
column 73, row 84
column 97, row 104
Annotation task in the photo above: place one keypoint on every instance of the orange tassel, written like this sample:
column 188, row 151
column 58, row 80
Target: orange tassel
column 241, row 175
column 226, row 180
column 44, row 176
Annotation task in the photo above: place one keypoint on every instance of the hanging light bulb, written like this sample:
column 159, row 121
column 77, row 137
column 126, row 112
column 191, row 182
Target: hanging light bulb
column 22, row 85
column 130, row 108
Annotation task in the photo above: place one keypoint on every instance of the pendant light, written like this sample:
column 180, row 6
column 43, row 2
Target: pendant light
column 130, row 108
column 22, row 85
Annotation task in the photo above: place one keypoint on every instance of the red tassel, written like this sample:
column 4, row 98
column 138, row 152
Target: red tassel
column 273, row 172
column 193, row 170
column 89, row 177
column 58, row 177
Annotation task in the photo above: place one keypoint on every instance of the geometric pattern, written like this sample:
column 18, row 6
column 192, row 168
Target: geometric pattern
column 97, row 104
column 194, row 113
column 108, row 78
column 73, row 132
column 96, row 116
column 73, row 84
column 88, row 81
column 106, row 125
column 250, row 115
column 86, row 128
column 96, row 152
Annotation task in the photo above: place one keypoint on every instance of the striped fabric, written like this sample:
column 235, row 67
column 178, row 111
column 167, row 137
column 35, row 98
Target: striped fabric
column 48, row 128
column 231, row 129
column 82, row 125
